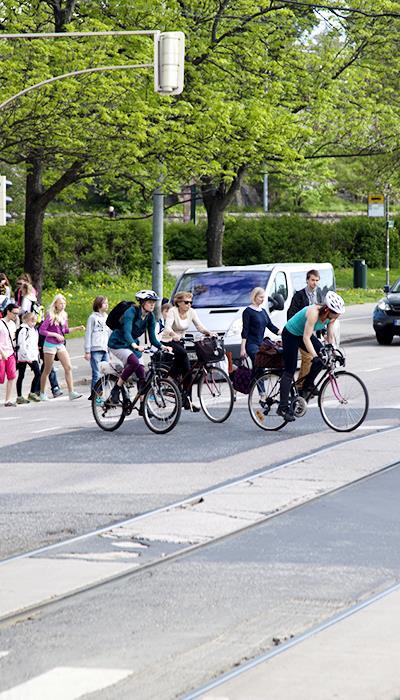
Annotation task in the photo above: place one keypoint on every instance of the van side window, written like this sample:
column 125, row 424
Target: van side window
column 298, row 280
column 327, row 281
column 280, row 285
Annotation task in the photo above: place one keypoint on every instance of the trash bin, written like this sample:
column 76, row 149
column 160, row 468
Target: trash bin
column 359, row 274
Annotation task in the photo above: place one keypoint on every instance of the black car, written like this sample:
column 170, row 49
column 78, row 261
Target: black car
column 386, row 317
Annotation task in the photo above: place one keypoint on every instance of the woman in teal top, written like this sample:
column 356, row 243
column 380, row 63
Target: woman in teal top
column 299, row 332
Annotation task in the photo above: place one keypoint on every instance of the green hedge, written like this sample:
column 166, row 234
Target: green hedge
column 249, row 241
column 88, row 249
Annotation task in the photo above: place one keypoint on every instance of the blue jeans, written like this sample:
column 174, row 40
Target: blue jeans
column 97, row 356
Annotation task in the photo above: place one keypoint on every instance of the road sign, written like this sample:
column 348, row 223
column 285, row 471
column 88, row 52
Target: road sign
column 4, row 200
column 376, row 205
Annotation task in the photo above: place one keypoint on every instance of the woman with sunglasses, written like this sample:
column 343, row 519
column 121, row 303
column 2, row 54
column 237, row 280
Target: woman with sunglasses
column 179, row 319
column 299, row 333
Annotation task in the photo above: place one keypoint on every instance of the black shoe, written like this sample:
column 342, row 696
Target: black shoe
column 57, row 392
column 90, row 396
column 309, row 392
column 140, row 409
column 113, row 399
column 189, row 406
column 286, row 413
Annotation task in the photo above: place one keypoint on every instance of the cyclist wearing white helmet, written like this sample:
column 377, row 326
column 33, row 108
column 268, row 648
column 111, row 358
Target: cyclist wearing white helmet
column 299, row 332
column 124, row 340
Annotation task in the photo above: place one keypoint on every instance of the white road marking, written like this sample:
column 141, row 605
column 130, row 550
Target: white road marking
column 372, row 369
column 65, row 683
column 4, row 653
column 373, row 427
column 44, row 430
column 9, row 418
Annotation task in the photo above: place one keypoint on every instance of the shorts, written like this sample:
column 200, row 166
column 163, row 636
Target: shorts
column 53, row 348
column 8, row 368
column 122, row 354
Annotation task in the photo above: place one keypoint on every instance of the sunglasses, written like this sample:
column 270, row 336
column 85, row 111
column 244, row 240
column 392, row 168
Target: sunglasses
column 186, row 301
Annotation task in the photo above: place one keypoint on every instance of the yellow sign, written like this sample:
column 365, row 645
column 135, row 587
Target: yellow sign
column 376, row 205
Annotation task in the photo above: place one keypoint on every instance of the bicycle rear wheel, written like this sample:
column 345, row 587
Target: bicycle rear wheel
column 215, row 394
column 162, row 405
column 106, row 416
column 343, row 401
column 264, row 400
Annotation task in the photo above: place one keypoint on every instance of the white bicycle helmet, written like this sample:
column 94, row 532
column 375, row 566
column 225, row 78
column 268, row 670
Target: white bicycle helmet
column 334, row 302
column 147, row 295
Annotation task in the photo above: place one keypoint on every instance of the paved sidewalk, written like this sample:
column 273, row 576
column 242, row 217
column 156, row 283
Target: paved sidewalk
column 356, row 659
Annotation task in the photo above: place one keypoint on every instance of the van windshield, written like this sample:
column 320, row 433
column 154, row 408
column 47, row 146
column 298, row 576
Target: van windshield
column 230, row 288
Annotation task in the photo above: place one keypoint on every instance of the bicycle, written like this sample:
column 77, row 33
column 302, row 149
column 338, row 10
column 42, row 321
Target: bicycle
column 161, row 400
column 343, row 398
column 214, row 388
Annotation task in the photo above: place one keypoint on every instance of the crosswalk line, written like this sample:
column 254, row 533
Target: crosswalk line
column 65, row 683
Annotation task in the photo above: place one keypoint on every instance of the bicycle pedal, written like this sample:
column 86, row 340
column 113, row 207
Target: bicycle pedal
column 260, row 416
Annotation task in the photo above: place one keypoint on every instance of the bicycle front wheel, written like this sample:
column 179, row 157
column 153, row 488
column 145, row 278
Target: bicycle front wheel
column 162, row 405
column 215, row 394
column 106, row 416
column 343, row 401
column 264, row 400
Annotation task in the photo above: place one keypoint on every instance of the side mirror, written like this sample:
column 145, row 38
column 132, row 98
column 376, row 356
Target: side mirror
column 276, row 302
column 386, row 289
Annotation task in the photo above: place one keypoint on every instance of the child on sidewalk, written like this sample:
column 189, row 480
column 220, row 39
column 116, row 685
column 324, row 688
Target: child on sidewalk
column 96, row 339
column 28, row 354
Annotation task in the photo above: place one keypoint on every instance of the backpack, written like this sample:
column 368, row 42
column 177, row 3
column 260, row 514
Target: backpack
column 114, row 318
column 38, row 310
column 16, row 338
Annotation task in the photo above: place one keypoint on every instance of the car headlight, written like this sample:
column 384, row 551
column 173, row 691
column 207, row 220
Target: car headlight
column 383, row 305
column 235, row 328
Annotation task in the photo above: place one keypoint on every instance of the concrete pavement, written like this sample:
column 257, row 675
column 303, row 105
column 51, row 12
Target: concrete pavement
column 357, row 658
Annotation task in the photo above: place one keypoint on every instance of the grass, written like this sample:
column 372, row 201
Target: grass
column 376, row 279
column 80, row 297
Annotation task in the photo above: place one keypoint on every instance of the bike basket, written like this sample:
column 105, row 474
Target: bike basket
column 269, row 355
column 209, row 350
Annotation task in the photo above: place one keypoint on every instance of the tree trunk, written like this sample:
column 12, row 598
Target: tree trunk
column 215, row 235
column 34, row 215
column 216, row 199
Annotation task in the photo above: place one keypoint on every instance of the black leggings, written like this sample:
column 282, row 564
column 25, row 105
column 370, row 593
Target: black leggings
column 181, row 363
column 291, row 344
column 21, row 367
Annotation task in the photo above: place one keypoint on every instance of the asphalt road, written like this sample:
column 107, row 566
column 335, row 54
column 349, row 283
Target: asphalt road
column 179, row 625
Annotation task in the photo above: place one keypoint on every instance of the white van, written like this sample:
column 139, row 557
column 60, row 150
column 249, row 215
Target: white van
column 220, row 294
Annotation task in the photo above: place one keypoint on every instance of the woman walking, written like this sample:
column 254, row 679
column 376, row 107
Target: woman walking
column 54, row 329
column 255, row 321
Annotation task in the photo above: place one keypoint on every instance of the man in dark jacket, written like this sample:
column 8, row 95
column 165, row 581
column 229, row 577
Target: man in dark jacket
column 311, row 294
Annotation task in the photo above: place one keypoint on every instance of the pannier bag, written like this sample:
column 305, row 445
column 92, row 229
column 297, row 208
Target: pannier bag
column 114, row 317
column 210, row 349
column 242, row 378
column 269, row 355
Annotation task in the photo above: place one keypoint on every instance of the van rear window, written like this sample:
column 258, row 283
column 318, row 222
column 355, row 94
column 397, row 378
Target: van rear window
column 213, row 289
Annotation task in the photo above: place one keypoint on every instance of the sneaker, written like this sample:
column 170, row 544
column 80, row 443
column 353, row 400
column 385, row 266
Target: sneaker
column 57, row 392
column 33, row 397
column 20, row 399
column 286, row 413
column 43, row 397
column 9, row 404
column 74, row 395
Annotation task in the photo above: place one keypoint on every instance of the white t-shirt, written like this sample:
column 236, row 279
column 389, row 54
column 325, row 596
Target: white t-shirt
column 175, row 324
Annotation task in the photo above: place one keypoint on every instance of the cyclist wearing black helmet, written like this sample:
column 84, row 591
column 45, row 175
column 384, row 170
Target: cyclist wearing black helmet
column 299, row 332
column 124, row 340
